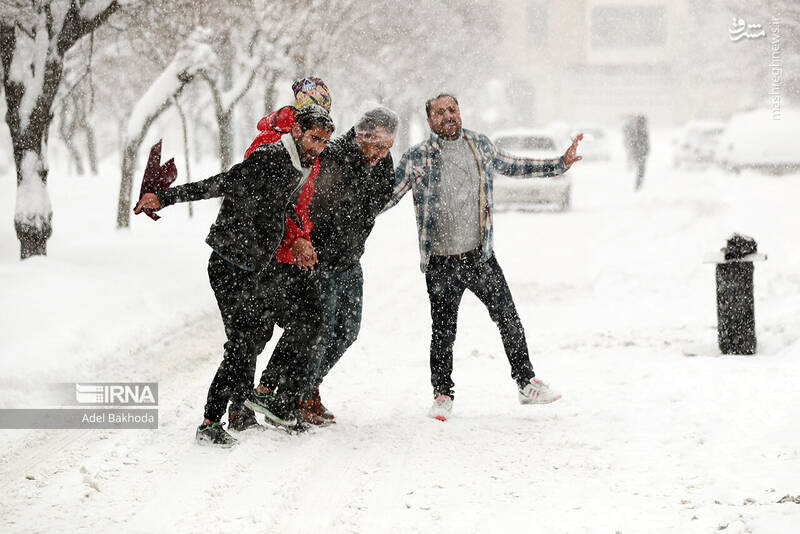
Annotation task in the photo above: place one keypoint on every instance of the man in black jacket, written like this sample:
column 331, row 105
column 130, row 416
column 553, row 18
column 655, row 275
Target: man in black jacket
column 355, row 182
column 258, row 193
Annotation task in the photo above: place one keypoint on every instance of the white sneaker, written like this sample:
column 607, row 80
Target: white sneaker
column 442, row 406
column 537, row 392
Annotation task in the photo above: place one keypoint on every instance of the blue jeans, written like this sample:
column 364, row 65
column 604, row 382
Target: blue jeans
column 342, row 296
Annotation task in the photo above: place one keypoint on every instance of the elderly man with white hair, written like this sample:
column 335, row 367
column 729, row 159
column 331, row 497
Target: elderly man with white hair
column 355, row 182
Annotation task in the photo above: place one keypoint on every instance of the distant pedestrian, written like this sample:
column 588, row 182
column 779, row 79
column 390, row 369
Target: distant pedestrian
column 637, row 144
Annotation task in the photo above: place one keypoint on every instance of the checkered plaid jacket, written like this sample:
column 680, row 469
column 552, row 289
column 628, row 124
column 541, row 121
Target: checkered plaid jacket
column 420, row 169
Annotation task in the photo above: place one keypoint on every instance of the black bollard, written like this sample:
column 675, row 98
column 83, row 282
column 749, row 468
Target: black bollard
column 736, row 318
column 736, row 326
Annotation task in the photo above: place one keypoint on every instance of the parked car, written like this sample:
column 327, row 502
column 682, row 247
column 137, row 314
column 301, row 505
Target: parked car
column 756, row 140
column 696, row 144
column 530, row 193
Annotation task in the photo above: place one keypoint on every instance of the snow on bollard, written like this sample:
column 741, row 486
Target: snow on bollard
column 736, row 322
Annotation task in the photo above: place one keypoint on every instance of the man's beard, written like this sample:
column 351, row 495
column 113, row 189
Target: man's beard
column 306, row 160
column 450, row 137
column 371, row 162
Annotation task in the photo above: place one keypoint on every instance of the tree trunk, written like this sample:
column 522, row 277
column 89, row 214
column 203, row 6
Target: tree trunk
column 33, row 218
column 224, row 121
column 269, row 92
column 132, row 147
column 91, row 148
column 185, row 128
column 126, row 185
column 76, row 157
column 66, row 129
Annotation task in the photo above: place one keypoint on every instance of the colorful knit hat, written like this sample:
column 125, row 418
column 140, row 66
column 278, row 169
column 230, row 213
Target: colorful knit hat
column 309, row 91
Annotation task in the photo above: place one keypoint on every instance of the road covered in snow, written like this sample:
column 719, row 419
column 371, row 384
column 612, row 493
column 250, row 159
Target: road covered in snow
column 656, row 432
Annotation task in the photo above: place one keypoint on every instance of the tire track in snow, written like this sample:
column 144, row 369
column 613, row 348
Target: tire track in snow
column 59, row 459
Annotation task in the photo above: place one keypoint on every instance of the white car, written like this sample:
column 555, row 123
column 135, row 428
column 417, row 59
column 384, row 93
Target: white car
column 696, row 143
column 530, row 193
column 757, row 140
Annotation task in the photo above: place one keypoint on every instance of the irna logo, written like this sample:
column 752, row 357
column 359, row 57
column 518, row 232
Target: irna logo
column 117, row 393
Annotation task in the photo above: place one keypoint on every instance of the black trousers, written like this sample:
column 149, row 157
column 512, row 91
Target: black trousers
column 639, row 162
column 296, row 304
column 447, row 278
column 337, row 295
column 242, row 297
column 251, row 303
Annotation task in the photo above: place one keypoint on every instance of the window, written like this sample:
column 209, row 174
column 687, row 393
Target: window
column 628, row 26
column 536, row 16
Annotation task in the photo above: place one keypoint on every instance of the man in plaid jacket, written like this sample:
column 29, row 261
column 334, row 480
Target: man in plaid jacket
column 451, row 178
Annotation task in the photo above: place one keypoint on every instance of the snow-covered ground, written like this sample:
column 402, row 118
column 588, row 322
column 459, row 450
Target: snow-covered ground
column 656, row 431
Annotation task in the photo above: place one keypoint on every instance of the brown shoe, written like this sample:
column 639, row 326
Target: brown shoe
column 309, row 415
column 320, row 408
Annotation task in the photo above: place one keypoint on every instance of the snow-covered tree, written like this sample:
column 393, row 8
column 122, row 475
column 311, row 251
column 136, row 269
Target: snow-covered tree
column 259, row 48
column 192, row 58
column 74, row 107
column 34, row 37
column 228, row 84
column 384, row 53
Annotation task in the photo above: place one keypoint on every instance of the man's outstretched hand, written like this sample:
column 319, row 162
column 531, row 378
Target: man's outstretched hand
column 570, row 155
column 148, row 201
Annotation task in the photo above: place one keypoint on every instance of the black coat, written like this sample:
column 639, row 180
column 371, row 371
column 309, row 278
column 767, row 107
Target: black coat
column 348, row 197
column 258, row 193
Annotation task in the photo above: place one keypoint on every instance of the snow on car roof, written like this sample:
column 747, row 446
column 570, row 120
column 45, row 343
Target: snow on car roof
column 704, row 125
column 524, row 132
column 757, row 137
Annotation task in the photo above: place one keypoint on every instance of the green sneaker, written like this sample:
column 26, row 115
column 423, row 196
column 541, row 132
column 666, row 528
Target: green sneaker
column 215, row 436
column 277, row 409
